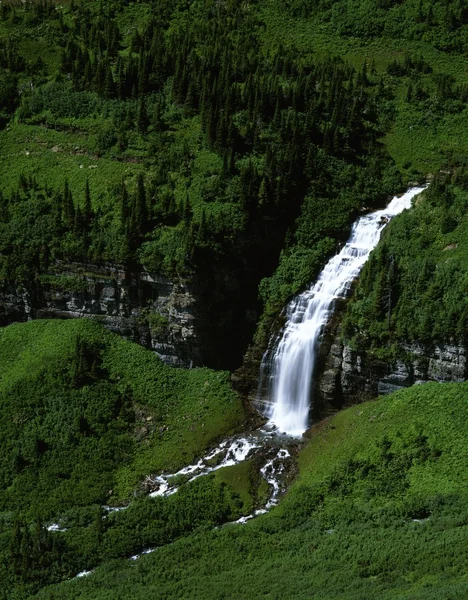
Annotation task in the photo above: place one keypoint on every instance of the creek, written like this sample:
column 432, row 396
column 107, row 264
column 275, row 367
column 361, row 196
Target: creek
column 286, row 374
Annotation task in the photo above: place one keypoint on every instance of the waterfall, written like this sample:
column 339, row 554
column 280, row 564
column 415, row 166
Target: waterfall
column 288, row 368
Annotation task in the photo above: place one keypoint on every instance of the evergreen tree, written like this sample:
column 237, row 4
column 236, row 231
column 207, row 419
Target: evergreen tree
column 187, row 211
column 124, row 205
column 109, row 90
column 156, row 120
column 142, row 116
column 68, row 209
column 87, row 210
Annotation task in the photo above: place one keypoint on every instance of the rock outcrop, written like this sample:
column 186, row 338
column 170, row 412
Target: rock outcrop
column 347, row 376
column 151, row 310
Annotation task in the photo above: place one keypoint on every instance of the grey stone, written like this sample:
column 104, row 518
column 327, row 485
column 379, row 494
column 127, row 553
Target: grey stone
column 354, row 376
column 123, row 302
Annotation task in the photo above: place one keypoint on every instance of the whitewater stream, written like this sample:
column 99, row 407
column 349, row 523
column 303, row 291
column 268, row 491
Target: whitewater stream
column 286, row 374
column 262, row 442
column 288, row 365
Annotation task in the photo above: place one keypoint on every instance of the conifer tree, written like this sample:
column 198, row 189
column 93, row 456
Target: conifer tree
column 3, row 208
column 87, row 210
column 109, row 90
column 187, row 211
column 124, row 206
column 68, row 211
column 139, row 214
column 142, row 116
column 201, row 233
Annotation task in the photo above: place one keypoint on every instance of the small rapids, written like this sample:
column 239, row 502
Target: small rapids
column 228, row 453
column 286, row 377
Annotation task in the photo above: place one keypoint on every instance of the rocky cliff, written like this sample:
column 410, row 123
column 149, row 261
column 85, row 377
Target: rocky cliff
column 152, row 310
column 347, row 376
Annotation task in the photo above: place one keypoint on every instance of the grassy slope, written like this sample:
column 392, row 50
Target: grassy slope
column 346, row 528
column 84, row 417
column 187, row 409
column 54, row 149
column 52, row 156
column 72, row 137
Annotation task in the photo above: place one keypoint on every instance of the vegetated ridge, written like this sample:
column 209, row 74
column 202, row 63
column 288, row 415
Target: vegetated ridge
column 231, row 144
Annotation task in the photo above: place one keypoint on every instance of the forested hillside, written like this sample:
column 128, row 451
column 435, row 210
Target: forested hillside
column 176, row 138
column 227, row 146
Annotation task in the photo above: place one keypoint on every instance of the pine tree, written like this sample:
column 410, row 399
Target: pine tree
column 15, row 545
column 142, row 116
column 187, row 211
column 139, row 215
column 202, row 232
column 109, row 90
column 78, row 222
column 409, row 93
column 157, row 116
column 87, row 211
column 68, row 210
column 262, row 194
column 124, row 207
column 3, row 208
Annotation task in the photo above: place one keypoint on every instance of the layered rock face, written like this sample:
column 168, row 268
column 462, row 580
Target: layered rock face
column 151, row 310
column 347, row 376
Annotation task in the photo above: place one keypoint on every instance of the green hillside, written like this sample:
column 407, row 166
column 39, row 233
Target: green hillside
column 50, row 366
column 413, row 288
column 379, row 510
column 85, row 416
column 230, row 145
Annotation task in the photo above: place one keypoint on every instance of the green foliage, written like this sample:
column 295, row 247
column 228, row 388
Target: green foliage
column 80, row 367
column 222, row 160
column 412, row 289
column 378, row 510
column 157, row 322
column 85, row 416
column 8, row 95
column 442, row 23
column 202, row 139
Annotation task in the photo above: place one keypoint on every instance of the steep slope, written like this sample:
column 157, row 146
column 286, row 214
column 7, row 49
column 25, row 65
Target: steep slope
column 378, row 510
column 148, row 138
column 407, row 321
column 414, row 286
column 85, row 416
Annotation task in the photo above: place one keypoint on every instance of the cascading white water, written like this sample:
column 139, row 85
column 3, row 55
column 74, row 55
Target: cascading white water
column 291, row 366
column 290, row 373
